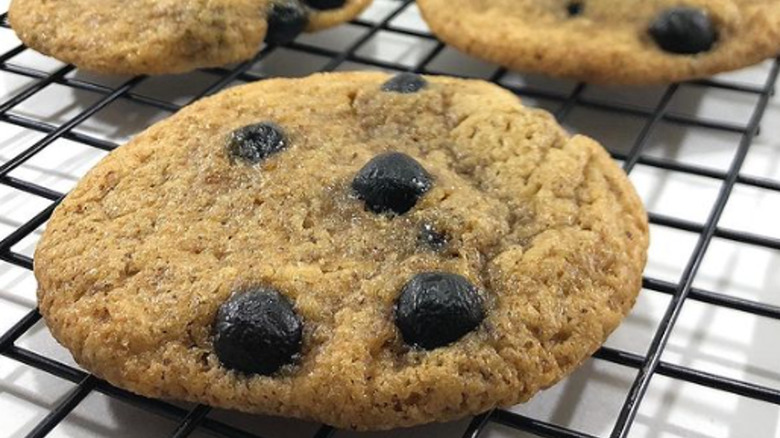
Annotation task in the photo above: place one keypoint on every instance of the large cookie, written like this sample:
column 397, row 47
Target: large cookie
column 346, row 248
column 620, row 41
column 167, row 36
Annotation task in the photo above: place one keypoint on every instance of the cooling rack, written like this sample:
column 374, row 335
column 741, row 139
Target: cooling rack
column 697, row 357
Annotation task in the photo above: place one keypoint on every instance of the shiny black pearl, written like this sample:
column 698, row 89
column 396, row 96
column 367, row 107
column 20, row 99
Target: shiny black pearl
column 436, row 309
column 324, row 4
column 431, row 238
column 286, row 20
column 391, row 182
column 574, row 8
column 405, row 83
column 254, row 143
column 684, row 30
column 257, row 331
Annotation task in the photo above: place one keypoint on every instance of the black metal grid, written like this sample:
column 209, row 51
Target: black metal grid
column 647, row 365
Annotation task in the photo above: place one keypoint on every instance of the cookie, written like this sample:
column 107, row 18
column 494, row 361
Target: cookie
column 608, row 41
column 351, row 248
column 167, row 36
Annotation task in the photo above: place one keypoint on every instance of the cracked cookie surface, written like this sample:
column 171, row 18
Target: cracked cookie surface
column 611, row 41
column 136, row 262
column 157, row 36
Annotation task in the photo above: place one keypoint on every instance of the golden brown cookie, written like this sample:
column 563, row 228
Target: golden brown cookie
column 167, row 36
column 348, row 248
column 625, row 41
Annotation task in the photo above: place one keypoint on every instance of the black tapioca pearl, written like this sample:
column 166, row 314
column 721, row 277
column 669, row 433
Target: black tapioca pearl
column 405, row 83
column 324, row 4
column 431, row 238
column 286, row 20
column 257, row 331
column 436, row 309
column 254, row 143
column 391, row 182
column 575, row 8
column 684, row 30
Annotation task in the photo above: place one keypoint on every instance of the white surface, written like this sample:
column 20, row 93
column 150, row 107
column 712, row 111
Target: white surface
column 707, row 338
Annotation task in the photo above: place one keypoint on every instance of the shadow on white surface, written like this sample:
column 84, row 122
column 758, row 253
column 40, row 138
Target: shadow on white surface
column 99, row 415
column 265, row 426
column 588, row 400
column 451, row 429
column 27, row 395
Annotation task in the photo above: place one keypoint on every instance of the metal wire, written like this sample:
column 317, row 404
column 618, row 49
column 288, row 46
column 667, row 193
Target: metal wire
column 647, row 366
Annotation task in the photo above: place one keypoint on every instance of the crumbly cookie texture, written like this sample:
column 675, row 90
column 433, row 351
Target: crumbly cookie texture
column 626, row 41
column 534, row 241
column 164, row 36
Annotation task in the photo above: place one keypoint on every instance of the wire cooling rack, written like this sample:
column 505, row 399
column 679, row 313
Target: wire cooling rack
column 691, row 149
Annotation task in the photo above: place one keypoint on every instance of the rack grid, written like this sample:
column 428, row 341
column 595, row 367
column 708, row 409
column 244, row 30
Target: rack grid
column 647, row 366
